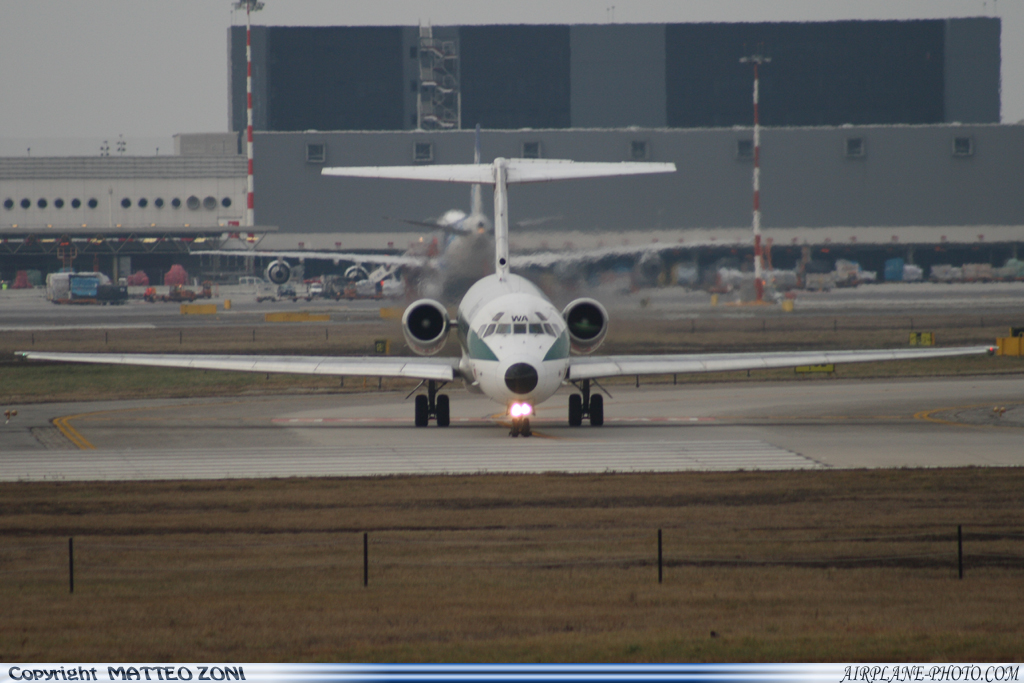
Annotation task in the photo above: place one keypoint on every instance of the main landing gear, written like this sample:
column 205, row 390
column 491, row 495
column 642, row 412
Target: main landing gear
column 584, row 405
column 432, row 405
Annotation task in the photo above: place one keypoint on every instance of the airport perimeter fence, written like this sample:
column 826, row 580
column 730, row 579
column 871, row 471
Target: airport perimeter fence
column 353, row 559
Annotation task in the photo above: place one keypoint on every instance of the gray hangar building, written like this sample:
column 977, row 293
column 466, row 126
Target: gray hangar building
column 876, row 135
column 878, row 138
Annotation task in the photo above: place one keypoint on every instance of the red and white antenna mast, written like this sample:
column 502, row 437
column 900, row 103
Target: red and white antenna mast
column 757, row 60
column 249, row 6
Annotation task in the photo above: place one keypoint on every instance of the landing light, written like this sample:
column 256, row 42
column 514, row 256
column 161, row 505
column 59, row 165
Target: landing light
column 520, row 410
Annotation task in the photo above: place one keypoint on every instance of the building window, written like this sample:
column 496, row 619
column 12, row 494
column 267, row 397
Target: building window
column 745, row 149
column 59, row 203
column 423, row 151
column 158, row 202
column 143, row 203
column 25, row 203
column 41, row 203
column 8, row 203
column 531, row 150
column 316, row 153
column 209, row 203
column 963, row 146
column 126, row 203
column 226, row 202
column 854, row 147
column 93, row 203
column 76, row 203
column 638, row 150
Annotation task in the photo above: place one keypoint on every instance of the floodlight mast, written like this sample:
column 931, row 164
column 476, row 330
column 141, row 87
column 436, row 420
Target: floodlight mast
column 249, row 6
column 757, row 60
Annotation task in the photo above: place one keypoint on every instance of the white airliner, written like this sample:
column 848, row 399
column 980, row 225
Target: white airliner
column 517, row 348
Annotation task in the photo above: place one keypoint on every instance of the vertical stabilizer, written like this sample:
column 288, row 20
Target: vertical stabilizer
column 501, row 218
column 476, row 198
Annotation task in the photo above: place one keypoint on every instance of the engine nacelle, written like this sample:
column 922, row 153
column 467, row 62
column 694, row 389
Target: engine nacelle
column 587, row 323
column 356, row 273
column 425, row 325
column 278, row 272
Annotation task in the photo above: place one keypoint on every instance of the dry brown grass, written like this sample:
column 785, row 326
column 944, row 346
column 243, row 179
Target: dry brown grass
column 843, row 565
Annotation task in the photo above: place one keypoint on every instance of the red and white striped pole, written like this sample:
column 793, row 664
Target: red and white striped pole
column 250, row 201
column 757, row 60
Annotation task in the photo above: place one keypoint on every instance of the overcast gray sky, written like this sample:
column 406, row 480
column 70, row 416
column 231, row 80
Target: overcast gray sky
column 74, row 72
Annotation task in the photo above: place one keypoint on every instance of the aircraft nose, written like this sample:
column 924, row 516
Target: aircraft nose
column 521, row 378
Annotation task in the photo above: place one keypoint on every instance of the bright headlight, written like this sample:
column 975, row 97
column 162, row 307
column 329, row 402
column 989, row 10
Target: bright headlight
column 520, row 409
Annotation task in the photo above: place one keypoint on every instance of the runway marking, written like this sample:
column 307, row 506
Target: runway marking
column 71, row 433
column 440, row 457
column 926, row 415
column 477, row 420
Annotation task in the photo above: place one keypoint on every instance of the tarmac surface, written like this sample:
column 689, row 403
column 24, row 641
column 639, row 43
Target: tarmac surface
column 733, row 426
column 817, row 423
column 24, row 310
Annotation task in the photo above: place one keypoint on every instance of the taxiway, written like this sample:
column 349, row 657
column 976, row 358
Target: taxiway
column 946, row 422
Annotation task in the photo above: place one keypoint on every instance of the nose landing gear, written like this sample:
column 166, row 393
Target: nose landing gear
column 520, row 427
column 586, row 406
column 432, row 406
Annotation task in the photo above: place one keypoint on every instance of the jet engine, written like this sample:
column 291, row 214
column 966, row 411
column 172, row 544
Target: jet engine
column 356, row 273
column 587, row 323
column 425, row 325
column 278, row 272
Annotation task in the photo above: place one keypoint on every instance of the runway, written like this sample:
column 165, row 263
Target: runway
column 656, row 428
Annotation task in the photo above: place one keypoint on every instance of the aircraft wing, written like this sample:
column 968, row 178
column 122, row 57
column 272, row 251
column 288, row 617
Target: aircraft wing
column 441, row 369
column 335, row 256
column 596, row 367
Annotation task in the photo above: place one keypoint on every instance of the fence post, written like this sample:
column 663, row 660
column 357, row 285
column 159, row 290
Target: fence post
column 366, row 559
column 659, row 556
column 71, row 564
column 960, row 549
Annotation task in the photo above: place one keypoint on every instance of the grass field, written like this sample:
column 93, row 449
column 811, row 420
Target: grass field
column 806, row 566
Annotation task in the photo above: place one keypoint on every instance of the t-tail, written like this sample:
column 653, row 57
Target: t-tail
column 502, row 173
column 476, row 197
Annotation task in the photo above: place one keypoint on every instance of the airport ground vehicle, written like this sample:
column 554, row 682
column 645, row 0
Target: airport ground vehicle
column 179, row 294
column 84, row 288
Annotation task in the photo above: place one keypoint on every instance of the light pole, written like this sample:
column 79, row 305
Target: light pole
column 249, row 6
column 757, row 60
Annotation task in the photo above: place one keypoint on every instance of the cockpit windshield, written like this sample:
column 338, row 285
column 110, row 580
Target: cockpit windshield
column 549, row 329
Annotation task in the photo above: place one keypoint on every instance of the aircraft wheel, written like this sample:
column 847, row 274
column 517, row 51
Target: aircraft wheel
column 524, row 428
column 596, row 410
column 422, row 412
column 443, row 416
column 515, row 428
column 575, row 410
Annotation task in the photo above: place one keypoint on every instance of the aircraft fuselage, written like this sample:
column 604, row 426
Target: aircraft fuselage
column 515, row 347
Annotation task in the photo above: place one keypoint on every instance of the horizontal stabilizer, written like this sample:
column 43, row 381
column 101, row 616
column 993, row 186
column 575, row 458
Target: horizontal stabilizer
column 452, row 173
column 517, row 171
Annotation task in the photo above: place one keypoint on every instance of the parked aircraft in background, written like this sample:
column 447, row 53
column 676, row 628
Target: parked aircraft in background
column 516, row 347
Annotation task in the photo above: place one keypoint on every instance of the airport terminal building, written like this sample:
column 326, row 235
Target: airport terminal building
column 878, row 138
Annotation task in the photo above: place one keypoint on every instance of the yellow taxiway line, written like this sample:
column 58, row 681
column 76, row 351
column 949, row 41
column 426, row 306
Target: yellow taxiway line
column 63, row 424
